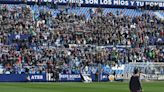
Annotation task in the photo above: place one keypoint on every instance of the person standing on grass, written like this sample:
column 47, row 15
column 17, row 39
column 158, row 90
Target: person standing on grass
column 135, row 84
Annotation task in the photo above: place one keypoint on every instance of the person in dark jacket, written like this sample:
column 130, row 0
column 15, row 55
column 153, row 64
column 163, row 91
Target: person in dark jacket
column 135, row 84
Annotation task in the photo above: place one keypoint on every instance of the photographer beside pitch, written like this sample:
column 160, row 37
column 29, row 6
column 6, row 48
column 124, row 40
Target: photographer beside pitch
column 135, row 84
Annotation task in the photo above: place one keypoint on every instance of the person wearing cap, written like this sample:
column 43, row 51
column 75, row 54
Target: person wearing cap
column 135, row 84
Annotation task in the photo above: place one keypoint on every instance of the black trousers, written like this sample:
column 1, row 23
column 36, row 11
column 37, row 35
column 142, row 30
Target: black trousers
column 135, row 91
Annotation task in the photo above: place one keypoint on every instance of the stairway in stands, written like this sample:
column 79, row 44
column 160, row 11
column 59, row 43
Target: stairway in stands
column 159, row 14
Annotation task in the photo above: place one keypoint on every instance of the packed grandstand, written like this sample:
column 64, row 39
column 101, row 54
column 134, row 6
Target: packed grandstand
column 40, row 39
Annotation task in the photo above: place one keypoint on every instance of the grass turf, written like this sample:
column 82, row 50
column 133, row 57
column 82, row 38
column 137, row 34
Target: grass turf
column 78, row 87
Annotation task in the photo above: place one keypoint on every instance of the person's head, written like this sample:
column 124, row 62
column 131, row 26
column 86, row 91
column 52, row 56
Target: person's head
column 135, row 71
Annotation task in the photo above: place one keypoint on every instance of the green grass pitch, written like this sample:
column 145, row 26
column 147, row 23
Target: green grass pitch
column 78, row 87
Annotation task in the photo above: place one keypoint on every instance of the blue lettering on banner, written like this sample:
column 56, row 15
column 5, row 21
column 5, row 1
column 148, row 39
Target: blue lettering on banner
column 12, row 78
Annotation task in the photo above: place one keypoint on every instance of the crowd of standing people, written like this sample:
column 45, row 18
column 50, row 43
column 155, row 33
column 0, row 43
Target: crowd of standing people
column 40, row 43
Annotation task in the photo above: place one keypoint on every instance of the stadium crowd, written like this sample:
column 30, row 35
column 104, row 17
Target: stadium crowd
column 39, row 43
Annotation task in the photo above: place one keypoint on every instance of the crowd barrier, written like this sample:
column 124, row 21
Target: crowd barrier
column 49, row 77
column 67, row 77
column 22, row 77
